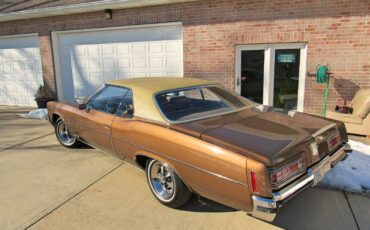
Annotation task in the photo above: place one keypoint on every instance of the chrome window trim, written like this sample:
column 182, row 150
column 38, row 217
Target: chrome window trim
column 104, row 87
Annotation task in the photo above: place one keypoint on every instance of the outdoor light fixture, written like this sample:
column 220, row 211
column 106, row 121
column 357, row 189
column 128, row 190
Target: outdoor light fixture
column 108, row 13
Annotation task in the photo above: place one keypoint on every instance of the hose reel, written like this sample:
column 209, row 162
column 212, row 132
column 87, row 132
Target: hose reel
column 323, row 77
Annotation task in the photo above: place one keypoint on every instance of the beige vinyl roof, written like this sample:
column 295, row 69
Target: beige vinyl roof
column 144, row 89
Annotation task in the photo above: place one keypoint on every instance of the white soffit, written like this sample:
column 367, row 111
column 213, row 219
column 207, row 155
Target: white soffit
column 84, row 8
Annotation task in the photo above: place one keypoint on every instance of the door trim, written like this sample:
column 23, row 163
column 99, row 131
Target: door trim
column 269, row 67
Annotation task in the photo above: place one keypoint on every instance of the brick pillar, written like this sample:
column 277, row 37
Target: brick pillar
column 47, row 61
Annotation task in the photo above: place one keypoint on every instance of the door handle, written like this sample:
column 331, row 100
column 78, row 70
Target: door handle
column 106, row 127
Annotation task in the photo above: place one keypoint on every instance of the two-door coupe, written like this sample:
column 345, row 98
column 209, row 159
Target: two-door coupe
column 193, row 136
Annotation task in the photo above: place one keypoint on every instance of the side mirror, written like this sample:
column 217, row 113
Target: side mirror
column 81, row 100
column 129, row 112
column 82, row 106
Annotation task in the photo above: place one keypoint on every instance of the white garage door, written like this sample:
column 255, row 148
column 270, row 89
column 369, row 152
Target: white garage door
column 20, row 70
column 88, row 59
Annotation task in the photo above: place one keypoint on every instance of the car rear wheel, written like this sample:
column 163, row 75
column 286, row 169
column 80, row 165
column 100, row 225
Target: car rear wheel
column 64, row 137
column 165, row 185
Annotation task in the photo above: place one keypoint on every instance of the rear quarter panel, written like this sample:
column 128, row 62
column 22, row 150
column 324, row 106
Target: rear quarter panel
column 207, row 169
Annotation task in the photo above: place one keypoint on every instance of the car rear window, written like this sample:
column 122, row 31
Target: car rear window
column 182, row 105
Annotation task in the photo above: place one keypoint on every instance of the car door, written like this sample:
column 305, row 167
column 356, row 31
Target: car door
column 99, row 114
column 121, row 128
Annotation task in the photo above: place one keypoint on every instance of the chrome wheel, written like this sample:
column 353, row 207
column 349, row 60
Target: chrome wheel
column 63, row 135
column 161, row 180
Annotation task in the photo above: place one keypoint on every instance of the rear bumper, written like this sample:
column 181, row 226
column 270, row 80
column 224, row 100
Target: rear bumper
column 266, row 208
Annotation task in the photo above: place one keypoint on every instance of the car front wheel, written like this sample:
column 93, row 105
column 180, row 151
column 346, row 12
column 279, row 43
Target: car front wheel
column 64, row 137
column 165, row 185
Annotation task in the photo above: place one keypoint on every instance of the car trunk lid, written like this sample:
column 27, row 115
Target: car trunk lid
column 262, row 132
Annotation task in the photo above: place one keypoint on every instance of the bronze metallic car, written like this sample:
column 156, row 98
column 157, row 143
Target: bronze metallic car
column 193, row 136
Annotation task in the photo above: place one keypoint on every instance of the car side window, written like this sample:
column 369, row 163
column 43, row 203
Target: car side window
column 126, row 108
column 108, row 99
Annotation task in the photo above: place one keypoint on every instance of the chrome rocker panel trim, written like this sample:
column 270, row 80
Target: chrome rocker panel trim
column 266, row 208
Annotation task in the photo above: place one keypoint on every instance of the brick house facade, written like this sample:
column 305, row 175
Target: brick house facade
column 337, row 33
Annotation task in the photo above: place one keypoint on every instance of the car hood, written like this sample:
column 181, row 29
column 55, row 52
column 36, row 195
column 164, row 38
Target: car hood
column 261, row 132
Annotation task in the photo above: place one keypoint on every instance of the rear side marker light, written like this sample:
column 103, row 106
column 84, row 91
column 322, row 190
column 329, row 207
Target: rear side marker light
column 254, row 182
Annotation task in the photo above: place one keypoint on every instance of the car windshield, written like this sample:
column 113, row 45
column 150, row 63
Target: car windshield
column 195, row 103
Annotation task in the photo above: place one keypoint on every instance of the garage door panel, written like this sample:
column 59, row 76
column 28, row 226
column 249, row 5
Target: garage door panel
column 156, row 47
column 31, row 89
column 93, row 64
column 92, row 50
column 110, row 76
column 138, row 48
column 20, row 78
column 29, row 66
column 3, row 100
column 108, row 50
column 173, row 62
column 96, row 78
column 93, row 57
column 20, row 68
column 124, row 75
column 123, row 63
column 173, row 47
column 156, row 63
column 139, row 74
column 109, row 64
column 123, row 49
column 8, row 67
column 6, row 53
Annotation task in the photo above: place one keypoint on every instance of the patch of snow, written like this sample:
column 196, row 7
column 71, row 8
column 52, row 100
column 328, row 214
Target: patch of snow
column 352, row 174
column 36, row 114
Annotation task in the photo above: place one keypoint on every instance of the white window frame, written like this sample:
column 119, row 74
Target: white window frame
column 269, row 69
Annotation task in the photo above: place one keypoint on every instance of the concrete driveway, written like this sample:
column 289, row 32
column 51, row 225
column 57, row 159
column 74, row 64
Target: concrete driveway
column 14, row 131
column 46, row 186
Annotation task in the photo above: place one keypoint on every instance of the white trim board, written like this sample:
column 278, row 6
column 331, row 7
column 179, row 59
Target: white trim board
column 84, row 8
column 269, row 66
column 118, row 28
column 18, row 35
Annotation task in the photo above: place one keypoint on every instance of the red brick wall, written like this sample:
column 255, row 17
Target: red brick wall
column 337, row 33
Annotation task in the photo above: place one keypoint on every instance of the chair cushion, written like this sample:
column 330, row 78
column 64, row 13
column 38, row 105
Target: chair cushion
column 346, row 118
column 361, row 103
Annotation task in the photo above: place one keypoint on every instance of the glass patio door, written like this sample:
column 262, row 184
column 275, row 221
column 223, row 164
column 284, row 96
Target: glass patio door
column 251, row 79
column 272, row 74
column 286, row 77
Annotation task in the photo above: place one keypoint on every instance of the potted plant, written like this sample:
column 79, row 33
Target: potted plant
column 43, row 96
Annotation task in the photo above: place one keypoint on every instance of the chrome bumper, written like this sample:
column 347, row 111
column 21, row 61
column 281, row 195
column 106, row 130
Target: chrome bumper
column 266, row 208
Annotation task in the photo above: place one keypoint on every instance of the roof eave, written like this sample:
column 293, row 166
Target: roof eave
column 83, row 8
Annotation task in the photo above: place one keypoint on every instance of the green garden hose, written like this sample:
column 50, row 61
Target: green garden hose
column 322, row 77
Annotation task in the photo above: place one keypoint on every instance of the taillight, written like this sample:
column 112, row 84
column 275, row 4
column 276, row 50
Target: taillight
column 334, row 141
column 283, row 174
column 254, row 181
